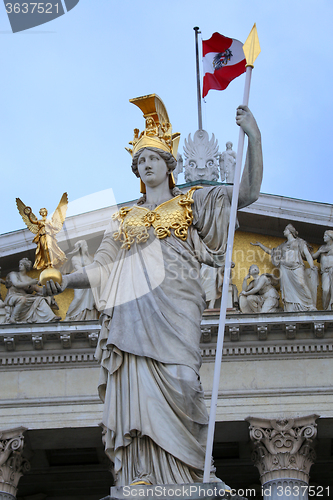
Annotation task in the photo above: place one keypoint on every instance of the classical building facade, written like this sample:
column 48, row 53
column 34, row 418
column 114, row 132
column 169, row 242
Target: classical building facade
column 274, row 427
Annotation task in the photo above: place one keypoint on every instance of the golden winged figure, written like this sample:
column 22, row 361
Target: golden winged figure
column 48, row 253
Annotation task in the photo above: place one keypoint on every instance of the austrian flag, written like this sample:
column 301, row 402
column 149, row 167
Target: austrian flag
column 223, row 60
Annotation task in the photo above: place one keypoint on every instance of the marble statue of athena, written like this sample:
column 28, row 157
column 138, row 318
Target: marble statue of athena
column 145, row 280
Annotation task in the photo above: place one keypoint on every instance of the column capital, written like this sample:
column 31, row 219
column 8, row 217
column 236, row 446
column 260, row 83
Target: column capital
column 12, row 463
column 283, row 448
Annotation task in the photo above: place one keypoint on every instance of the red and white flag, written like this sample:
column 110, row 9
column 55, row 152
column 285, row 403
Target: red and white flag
column 223, row 60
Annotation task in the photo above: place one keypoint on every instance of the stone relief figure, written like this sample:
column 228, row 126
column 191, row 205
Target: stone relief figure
column 201, row 157
column 298, row 285
column 48, row 253
column 228, row 164
column 179, row 167
column 145, row 280
column 324, row 255
column 82, row 306
column 24, row 301
column 212, row 281
column 2, row 305
column 260, row 295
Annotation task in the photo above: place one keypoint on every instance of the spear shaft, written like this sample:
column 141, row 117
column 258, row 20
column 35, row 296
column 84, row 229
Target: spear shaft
column 225, row 289
column 196, row 29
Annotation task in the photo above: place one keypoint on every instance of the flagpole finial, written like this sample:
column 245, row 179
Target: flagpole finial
column 251, row 47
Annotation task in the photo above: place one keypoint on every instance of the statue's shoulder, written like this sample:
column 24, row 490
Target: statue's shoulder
column 205, row 192
column 188, row 196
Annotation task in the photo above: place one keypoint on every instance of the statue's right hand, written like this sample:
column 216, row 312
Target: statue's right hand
column 256, row 244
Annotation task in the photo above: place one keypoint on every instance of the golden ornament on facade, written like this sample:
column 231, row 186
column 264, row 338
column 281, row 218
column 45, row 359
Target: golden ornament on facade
column 48, row 254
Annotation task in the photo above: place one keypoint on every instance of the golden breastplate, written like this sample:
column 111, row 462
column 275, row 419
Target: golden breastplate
column 174, row 214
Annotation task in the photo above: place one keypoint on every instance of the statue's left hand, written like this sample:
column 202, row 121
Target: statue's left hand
column 246, row 120
column 33, row 282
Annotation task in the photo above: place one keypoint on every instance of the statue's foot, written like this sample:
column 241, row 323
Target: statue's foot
column 146, row 479
column 136, row 483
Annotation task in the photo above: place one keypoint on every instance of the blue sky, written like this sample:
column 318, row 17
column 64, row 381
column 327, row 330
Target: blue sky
column 65, row 86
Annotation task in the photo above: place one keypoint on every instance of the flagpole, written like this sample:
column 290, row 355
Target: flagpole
column 196, row 29
column 227, row 269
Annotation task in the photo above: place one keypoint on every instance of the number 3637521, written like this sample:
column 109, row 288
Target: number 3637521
column 32, row 8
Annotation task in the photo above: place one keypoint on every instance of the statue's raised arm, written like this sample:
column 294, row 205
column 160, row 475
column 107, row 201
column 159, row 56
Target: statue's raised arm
column 253, row 170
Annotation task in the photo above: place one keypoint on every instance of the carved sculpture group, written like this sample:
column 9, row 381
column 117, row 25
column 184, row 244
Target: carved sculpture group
column 24, row 302
column 203, row 160
column 298, row 284
column 260, row 295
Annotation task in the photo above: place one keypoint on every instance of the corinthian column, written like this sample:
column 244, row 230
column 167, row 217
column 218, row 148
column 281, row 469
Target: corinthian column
column 12, row 463
column 283, row 453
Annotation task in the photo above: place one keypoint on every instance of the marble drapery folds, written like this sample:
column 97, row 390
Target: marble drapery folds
column 152, row 301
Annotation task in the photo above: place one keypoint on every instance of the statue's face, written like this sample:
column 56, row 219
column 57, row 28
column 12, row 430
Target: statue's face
column 286, row 232
column 254, row 270
column 327, row 237
column 22, row 266
column 152, row 168
column 43, row 212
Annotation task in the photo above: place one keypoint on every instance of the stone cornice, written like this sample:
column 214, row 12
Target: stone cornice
column 292, row 208
column 270, row 336
column 51, row 401
column 49, row 360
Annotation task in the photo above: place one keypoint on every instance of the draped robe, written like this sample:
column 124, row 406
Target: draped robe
column 295, row 280
column 152, row 300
